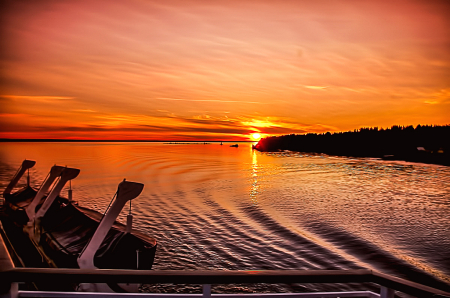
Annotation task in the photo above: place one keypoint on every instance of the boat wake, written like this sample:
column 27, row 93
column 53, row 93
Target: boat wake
column 215, row 207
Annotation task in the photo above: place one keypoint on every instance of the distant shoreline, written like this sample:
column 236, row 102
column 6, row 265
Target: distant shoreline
column 115, row 141
column 423, row 144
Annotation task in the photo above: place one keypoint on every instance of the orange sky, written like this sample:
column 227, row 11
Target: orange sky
column 220, row 70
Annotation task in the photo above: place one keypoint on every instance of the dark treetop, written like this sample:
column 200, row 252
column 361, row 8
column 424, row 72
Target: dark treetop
column 429, row 144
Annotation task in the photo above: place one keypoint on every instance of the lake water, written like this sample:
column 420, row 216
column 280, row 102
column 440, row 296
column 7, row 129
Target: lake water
column 218, row 207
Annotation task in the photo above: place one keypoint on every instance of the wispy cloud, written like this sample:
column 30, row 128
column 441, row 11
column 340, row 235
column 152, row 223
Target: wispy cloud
column 179, row 66
column 211, row 100
column 8, row 115
column 37, row 98
column 431, row 102
column 316, row 87
column 84, row 111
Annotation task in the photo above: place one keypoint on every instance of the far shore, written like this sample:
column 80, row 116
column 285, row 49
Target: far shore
column 124, row 141
column 424, row 144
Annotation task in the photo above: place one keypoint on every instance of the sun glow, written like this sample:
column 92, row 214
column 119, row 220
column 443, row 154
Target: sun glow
column 256, row 136
column 211, row 80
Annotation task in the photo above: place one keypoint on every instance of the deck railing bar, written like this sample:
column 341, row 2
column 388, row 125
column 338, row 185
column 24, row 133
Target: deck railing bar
column 406, row 286
column 217, row 277
column 194, row 277
column 10, row 276
column 35, row 294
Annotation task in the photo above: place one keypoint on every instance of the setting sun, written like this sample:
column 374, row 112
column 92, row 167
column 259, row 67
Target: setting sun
column 256, row 136
column 298, row 67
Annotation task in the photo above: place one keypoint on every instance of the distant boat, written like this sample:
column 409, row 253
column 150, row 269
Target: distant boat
column 235, row 145
column 69, row 236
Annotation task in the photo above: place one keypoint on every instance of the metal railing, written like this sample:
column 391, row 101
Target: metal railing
column 10, row 276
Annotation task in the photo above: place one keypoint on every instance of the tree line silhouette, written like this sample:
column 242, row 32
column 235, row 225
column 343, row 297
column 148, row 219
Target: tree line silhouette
column 424, row 143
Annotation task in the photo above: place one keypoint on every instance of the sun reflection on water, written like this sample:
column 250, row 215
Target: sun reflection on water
column 255, row 185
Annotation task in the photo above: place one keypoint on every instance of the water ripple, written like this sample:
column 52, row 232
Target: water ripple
column 215, row 207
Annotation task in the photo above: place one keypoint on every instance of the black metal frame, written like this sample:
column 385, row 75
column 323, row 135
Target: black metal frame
column 11, row 275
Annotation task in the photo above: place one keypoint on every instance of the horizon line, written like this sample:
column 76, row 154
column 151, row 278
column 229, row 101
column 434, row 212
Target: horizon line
column 118, row 140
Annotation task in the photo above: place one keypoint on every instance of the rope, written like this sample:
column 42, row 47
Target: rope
column 117, row 192
column 44, row 180
column 17, row 172
column 54, row 185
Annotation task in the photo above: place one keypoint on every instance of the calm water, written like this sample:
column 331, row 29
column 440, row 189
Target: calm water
column 217, row 207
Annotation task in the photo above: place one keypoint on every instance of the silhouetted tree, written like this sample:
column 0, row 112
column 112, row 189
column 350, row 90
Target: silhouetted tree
column 397, row 142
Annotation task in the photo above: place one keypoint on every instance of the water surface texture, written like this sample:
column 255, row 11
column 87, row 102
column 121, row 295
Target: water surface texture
column 217, row 207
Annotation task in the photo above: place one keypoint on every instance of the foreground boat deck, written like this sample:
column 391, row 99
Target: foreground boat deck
column 11, row 276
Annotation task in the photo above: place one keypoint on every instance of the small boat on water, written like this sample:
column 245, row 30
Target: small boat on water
column 234, row 145
column 69, row 236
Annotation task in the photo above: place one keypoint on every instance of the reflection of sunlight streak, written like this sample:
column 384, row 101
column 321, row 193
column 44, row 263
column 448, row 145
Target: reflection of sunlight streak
column 255, row 185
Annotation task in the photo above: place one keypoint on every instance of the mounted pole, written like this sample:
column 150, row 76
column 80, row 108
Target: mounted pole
column 55, row 172
column 26, row 164
column 66, row 175
column 129, row 221
column 125, row 192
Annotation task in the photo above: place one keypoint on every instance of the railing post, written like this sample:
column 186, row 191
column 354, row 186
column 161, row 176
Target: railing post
column 8, row 289
column 13, row 291
column 386, row 292
column 206, row 291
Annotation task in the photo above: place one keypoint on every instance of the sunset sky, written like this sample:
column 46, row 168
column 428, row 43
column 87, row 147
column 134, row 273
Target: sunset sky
column 220, row 70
